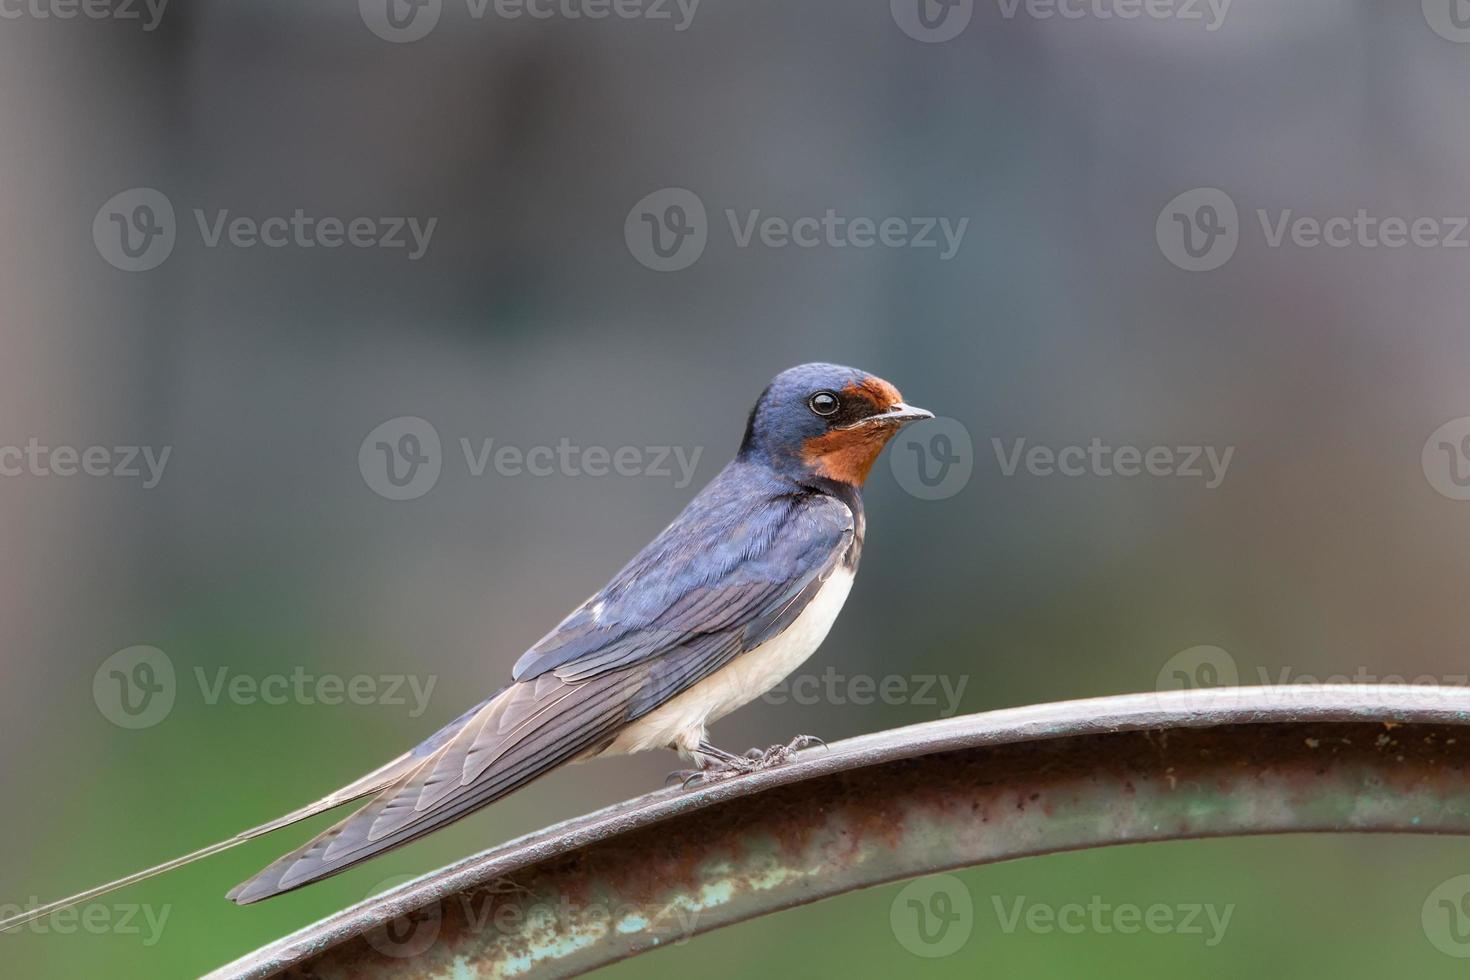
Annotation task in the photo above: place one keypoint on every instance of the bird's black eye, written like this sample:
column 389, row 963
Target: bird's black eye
column 824, row 403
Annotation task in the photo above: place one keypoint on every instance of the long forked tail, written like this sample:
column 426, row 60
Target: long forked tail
column 373, row 782
column 327, row 803
column 527, row 730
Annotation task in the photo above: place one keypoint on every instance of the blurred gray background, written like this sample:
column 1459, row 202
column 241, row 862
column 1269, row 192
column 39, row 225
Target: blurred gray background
column 1335, row 544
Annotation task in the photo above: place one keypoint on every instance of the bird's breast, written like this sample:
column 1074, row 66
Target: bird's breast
column 756, row 671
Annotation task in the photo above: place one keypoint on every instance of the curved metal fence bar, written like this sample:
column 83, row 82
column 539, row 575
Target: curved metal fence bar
column 963, row 791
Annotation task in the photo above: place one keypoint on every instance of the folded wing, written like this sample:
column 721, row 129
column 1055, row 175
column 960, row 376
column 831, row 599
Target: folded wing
column 725, row 576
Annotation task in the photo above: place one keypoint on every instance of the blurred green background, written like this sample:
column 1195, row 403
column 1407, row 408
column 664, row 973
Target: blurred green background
column 265, row 550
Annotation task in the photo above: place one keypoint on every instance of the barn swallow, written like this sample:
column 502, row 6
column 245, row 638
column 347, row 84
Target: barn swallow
column 719, row 608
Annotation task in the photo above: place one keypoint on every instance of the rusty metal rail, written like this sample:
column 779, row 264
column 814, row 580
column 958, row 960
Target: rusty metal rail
column 947, row 794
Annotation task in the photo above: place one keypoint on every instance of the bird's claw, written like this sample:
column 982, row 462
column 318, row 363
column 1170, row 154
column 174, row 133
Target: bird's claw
column 778, row 755
column 684, row 777
column 755, row 760
column 688, row 777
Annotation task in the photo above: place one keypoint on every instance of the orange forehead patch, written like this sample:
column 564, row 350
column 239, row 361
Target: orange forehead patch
column 876, row 390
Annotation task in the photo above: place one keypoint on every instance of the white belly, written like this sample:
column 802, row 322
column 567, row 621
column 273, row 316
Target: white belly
column 682, row 721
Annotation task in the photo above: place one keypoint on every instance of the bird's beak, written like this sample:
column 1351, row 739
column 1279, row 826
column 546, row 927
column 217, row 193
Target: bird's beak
column 897, row 414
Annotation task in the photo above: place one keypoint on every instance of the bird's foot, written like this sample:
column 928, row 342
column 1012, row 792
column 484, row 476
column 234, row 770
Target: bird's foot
column 685, row 778
column 712, row 773
column 717, row 764
column 713, row 764
column 779, row 755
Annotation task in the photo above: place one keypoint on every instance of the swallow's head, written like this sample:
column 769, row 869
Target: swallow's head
column 826, row 421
